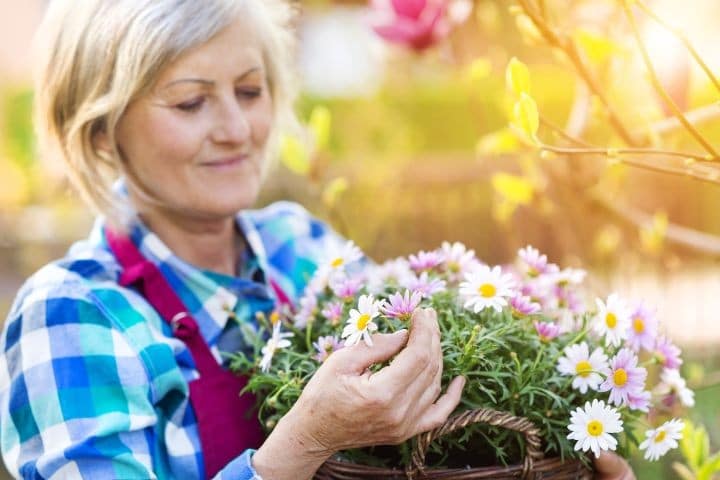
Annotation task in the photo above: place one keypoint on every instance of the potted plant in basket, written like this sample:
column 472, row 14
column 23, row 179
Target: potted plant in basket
column 551, row 377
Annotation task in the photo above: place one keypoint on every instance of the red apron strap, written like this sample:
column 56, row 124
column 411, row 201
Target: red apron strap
column 148, row 278
column 283, row 299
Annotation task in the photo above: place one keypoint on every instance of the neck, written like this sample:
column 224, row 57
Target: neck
column 210, row 244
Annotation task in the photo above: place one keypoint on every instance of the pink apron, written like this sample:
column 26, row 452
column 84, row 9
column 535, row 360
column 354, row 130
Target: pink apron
column 225, row 422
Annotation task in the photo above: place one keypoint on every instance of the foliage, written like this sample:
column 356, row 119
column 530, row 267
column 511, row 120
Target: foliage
column 695, row 449
column 509, row 355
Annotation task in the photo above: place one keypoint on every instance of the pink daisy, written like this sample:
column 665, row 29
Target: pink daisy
column 425, row 285
column 346, row 287
column 668, row 353
column 643, row 328
column 546, row 330
column 639, row 401
column 425, row 261
column 457, row 260
column 325, row 346
column 524, row 306
column 401, row 307
column 624, row 377
column 533, row 263
column 333, row 312
column 307, row 311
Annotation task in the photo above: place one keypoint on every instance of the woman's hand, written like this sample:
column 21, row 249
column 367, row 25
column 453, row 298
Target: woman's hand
column 610, row 466
column 345, row 406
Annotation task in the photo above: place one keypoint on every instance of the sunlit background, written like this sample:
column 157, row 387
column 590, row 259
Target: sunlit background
column 418, row 152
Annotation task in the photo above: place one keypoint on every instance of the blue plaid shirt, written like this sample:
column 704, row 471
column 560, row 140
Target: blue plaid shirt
column 92, row 382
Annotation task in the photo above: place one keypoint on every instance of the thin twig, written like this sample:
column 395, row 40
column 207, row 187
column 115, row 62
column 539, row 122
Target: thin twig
column 696, row 117
column 681, row 36
column 562, row 133
column 711, row 177
column 611, row 152
column 658, row 86
column 567, row 46
column 699, row 241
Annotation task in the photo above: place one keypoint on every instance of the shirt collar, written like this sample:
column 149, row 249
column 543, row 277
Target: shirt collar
column 210, row 298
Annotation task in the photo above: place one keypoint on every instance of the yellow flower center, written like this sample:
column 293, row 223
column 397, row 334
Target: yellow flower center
column 487, row 290
column 274, row 317
column 337, row 262
column 583, row 368
column 611, row 320
column 595, row 428
column 620, row 377
column 454, row 267
column 639, row 325
column 362, row 321
column 660, row 436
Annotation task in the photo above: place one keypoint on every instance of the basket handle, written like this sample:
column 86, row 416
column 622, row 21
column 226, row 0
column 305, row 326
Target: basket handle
column 481, row 415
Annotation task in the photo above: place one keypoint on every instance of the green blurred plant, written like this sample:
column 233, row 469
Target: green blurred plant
column 695, row 448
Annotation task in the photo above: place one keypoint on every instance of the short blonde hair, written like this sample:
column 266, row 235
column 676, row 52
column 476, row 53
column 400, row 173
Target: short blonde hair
column 99, row 55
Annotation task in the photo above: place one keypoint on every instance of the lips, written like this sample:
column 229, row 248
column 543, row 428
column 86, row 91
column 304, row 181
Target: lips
column 226, row 162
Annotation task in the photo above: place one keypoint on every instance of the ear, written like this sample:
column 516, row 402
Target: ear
column 101, row 142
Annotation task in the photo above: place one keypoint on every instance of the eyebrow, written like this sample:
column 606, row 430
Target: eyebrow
column 206, row 82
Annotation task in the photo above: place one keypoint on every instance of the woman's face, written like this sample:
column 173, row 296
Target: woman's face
column 196, row 142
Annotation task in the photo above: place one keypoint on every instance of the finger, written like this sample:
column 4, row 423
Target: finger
column 438, row 412
column 428, row 385
column 359, row 357
column 427, row 397
column 414, row 359
column 611, row 466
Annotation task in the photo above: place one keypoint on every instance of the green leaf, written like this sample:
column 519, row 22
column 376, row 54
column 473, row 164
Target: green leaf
column 294, row 155
column 683, row 471
column 320, row 123
column 517, row 190
column 333, row 190
column 597, row 47
column 517, row 77
column 526, row 117
column 497, row 143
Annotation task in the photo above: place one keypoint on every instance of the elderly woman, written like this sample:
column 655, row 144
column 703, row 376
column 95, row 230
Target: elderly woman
column 112, row 361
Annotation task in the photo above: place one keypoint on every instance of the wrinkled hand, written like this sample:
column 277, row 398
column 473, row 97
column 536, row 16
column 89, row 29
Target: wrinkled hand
column 611, row 466
column 345, row 406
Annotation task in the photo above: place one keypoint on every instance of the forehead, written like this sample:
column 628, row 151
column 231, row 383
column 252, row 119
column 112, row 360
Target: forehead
column 234, row 50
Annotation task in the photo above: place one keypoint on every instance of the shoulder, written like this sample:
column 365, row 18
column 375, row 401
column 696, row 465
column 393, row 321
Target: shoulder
column 288, row 219
column 76, row 294
column 294, row 241
column 284, row 226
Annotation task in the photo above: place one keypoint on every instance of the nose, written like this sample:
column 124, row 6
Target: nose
column 232, row 123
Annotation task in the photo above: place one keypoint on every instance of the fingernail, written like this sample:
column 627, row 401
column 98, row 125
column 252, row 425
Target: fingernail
column 402, row 331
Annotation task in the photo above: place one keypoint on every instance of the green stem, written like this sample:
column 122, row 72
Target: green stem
column 308, row 336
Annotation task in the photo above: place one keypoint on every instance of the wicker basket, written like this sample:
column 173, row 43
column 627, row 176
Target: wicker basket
column 533, row 467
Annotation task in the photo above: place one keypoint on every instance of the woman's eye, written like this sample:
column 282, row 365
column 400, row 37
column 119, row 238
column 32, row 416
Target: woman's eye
column 248, row 92
column 191, row 105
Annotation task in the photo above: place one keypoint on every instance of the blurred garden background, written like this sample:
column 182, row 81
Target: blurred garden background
column 427, row 131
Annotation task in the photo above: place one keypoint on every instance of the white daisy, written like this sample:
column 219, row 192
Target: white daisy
column 569, row 276
column 360, row 324
column 457, row 260
column 593, row 425
column 612, row 320
column 662, row 439
column 339, row 258
column 277, row 341
column 486, row 288
column 586, row 368
column 673, row 385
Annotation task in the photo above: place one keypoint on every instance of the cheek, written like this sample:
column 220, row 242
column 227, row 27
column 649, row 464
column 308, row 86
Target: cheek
column 153, row 140
column 261, row 119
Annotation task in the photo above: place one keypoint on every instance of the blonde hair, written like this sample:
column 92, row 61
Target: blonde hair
column 99, row 55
